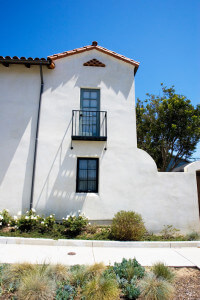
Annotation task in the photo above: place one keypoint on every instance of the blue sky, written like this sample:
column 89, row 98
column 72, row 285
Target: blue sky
column 163, row 35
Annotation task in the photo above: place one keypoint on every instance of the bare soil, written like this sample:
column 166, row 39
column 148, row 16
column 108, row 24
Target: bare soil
column 187, row 284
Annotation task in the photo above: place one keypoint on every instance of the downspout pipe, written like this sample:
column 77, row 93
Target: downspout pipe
column 36, row 138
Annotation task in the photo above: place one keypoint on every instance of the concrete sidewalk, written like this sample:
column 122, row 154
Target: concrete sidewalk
column 177, row 257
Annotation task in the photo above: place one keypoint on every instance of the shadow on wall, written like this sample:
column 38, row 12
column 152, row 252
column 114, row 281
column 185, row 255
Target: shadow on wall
column 116, row 75
column 18, row 115
column 58, row 193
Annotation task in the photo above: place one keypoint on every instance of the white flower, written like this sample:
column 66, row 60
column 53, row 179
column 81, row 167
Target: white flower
column 89, row 223
column 51, row 216
column 27, row 212
column 27, row 217
column 19, row 213
column 42, row 222
column 1, row 217
column 15, row 217
column 0, row 223
column 8, row 225
column 33, row 210
column 16, row 226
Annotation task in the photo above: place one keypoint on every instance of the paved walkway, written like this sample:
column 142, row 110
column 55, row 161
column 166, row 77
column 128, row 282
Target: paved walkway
column 177, row 257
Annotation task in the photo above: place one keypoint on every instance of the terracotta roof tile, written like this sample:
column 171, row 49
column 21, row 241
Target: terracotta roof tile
column 96, row 47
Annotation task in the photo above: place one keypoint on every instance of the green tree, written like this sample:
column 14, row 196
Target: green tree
column 168, row 127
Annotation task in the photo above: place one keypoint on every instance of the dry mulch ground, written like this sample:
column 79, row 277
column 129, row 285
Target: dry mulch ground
column 187, row 284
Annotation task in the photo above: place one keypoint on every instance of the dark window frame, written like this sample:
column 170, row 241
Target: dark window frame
column 77, row 175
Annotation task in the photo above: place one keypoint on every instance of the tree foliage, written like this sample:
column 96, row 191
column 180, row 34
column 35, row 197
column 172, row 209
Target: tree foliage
column 168, row 127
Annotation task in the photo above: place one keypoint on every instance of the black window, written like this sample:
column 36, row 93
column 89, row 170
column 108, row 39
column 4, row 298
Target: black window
column 87, row 175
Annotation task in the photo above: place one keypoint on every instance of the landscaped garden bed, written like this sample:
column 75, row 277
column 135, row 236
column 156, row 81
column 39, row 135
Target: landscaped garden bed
column 126, row 226
column 125, row 280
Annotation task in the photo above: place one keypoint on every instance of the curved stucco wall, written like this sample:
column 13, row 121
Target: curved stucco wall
column 193, row 167
column 128, row 177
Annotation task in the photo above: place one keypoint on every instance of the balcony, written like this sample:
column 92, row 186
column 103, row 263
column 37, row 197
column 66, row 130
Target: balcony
column 90, row 125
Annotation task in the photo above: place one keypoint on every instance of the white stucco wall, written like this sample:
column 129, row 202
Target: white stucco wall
column 19, row 96
column 128, row 177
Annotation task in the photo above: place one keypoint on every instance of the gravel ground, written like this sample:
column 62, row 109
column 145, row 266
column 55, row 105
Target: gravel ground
column 187, row 284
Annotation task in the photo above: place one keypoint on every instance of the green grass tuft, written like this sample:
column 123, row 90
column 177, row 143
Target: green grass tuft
column 153, row 288
column 160, row 270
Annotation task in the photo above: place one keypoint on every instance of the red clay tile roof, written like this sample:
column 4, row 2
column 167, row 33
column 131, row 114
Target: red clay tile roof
column 6, row 61
column 96, row 47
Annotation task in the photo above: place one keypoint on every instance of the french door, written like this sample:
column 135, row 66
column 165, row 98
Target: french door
column 89, row 123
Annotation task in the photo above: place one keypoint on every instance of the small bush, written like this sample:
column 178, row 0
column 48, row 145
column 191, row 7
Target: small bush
column 74, row 224
column 169, row 232
column 30, row 222
column 160, row 270
column 127, row 226
column 5, row 218
column 193, row 236
column 91, row 228
column 101, row 288
column 128, row 269
column 65, row 291
column 130, row 290
column 153, row 288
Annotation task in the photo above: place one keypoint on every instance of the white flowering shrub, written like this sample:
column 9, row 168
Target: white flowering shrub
column 74, row 224
column 5, row 218
column 30, row 221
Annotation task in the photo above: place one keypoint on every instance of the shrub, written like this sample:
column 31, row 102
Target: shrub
column 128, row 269
column 169, row 232
column 127, row 226
column 160, row 270
column 130, row 290
column 5, row 218
column 74, row 224
column 65, row 291
column 193, row 236
column 153, row 288
column 91, row 228
column 30, row 221
column 101, row 288
column 127, row 272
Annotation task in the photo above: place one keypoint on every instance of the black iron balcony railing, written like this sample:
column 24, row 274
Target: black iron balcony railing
column 89, row 125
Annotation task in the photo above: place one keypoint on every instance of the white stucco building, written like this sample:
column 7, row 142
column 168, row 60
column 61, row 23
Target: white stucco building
column 68, row 143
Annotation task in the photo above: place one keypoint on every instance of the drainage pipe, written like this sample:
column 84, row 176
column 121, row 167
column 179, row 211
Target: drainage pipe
column 36, row 138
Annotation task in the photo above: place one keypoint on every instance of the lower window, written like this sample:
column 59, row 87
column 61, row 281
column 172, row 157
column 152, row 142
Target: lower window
column 87, row 175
